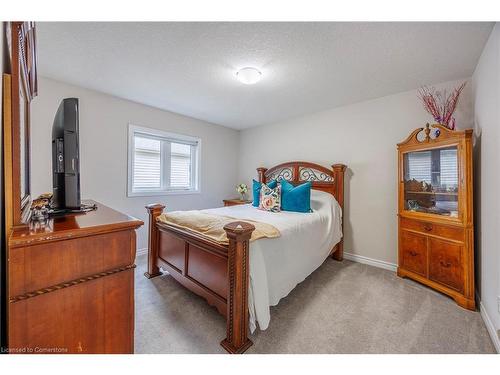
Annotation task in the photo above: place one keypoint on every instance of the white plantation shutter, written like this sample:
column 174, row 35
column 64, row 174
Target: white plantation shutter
column 449, row 168
column 161, row 162
column 147, row 160
column 419, row 166
column 180, row 165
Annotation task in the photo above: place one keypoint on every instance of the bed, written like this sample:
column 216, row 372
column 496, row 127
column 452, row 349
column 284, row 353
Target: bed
column 242, row 279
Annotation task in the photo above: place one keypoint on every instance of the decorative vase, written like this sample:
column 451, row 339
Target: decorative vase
column 242, row 196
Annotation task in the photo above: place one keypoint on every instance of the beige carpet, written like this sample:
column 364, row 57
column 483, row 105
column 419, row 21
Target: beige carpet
column 341, row 308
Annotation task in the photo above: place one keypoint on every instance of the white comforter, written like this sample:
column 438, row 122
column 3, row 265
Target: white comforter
column 277, row 265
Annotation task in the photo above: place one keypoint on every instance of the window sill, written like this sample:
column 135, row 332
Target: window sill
column 161, row 193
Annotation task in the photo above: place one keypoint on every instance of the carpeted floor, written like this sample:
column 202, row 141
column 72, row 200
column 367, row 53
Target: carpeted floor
column 341, row 308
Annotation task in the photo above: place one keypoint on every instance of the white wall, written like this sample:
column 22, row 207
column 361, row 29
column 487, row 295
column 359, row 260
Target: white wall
column 103, row 150
column 363, row 136
column 486, row 90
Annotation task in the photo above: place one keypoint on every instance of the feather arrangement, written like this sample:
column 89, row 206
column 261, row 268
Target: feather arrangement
column 440, row 104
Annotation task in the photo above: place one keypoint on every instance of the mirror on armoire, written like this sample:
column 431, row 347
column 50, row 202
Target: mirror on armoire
column 20, row 87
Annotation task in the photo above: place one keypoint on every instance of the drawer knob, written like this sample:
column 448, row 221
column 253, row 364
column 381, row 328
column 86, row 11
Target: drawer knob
column 445, row 264
column 428, row 227
column 413, row 253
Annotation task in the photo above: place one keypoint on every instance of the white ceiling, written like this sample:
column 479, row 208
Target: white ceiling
column 189, row 68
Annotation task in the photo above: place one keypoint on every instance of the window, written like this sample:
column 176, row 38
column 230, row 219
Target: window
column 180, row 165
column 161, row 163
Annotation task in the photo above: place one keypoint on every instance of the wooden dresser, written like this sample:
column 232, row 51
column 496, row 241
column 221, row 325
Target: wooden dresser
column 71, row 284
column 436, row 244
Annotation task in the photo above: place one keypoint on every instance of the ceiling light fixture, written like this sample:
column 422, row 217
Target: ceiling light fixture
column 249, row 76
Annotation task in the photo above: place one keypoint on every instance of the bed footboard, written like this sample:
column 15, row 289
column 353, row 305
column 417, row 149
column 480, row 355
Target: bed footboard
column 218, row 273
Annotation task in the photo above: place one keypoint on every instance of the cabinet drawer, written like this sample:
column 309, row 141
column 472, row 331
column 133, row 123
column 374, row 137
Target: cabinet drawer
column 457, row 234
column 445, row 263
column 414, row 252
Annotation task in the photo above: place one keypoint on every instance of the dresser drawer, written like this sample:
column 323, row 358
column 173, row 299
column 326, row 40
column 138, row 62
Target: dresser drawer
column 96, row 316
column 414, row 252
column 47, row 264
column 445, row 263
column 457, row 234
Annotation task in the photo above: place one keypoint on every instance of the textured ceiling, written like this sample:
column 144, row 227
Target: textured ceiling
column 189, row 68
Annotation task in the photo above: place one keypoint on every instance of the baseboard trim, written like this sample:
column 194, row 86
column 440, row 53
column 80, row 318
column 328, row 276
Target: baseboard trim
column 371, row 262
column 142, row 251
column 490, row 327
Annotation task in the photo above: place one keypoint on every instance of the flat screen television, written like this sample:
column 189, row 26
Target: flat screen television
column 66, row 158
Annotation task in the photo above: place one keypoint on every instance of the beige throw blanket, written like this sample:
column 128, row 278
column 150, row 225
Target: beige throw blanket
column 212, row 226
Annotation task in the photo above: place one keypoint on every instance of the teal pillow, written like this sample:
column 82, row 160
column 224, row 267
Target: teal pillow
column 295, row 198
column 256, row 190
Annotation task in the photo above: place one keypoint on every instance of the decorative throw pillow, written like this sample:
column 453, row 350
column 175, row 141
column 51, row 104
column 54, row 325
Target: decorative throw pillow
column 270, row 198
column 256, row 190
column 295, row 198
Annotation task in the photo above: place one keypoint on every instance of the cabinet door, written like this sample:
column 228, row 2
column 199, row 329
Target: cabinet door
column 431, row 181
column 445, row 263
column 414, row 252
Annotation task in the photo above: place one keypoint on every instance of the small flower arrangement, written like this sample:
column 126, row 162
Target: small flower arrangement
column 440, row 104
column 242, row 189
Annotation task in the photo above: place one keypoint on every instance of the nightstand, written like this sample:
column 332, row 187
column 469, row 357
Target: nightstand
column 235, row 202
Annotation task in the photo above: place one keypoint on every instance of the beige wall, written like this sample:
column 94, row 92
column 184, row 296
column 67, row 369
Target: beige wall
column 104, row 121
column 363, row 136
column 486, row 96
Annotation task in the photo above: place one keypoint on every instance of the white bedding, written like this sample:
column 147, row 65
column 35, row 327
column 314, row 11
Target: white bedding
column 277, row 265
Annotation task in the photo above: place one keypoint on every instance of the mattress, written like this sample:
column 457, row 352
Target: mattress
column 277, row 265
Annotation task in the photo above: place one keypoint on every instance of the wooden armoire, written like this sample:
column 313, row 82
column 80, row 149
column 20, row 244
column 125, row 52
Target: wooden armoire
column 436, row 230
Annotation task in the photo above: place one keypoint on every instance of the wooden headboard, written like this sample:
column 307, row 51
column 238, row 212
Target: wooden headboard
column 297, row 172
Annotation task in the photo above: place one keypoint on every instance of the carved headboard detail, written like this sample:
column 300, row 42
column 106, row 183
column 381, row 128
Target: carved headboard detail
column 297, row 172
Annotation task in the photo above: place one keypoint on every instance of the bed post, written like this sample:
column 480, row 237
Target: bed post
column 238, row 234
column 338, row 173
column 262, row 174
column 154, row 210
